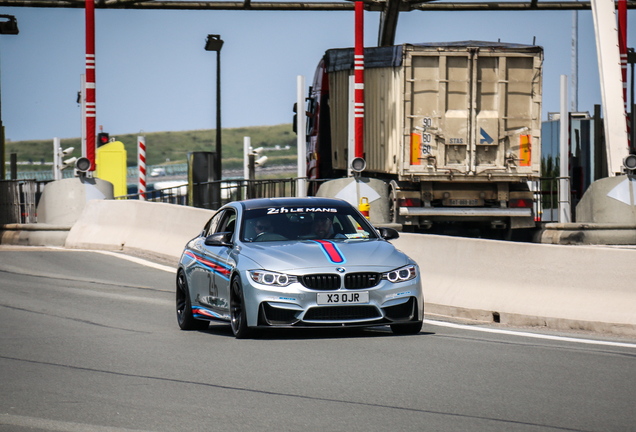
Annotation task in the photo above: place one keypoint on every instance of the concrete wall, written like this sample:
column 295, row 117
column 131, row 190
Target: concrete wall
column 566, row 287
column 144, row 228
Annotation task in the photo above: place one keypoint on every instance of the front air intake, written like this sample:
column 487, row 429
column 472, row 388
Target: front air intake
column 342, row 313
column 362, row 280
column 322, row 282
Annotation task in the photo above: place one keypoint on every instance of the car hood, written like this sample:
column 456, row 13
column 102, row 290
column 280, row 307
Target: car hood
column 291, row 257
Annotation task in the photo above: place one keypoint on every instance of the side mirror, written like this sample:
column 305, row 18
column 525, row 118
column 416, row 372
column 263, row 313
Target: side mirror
column 388, row 233
column 219, row 239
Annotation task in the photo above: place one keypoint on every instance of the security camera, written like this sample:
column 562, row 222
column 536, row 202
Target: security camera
column 260, row 161
column 69, row 162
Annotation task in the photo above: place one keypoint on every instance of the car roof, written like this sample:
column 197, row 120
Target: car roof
column 258, row 203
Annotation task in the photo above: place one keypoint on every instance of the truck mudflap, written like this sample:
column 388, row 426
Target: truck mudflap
column 465, row 211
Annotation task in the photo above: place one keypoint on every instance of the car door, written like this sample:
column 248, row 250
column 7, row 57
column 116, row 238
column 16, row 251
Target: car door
column 220, row 265
column 202, row 289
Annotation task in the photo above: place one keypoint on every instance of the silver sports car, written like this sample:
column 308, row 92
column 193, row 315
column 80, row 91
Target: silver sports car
column 296, row 262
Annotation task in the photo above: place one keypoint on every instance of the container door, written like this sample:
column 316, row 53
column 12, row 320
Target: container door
column 504, row 110
column 487, row 151
column 519, row 100
column 472, row 112
column 438, row 94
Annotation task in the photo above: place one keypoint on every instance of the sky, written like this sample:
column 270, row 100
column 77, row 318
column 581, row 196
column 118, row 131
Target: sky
column 153, row 73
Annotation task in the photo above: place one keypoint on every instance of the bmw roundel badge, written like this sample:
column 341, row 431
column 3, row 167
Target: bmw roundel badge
column 341, row 269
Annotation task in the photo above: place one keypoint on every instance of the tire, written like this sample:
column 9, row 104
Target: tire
column 185, row 319
column 411, row 328
column 238, row 320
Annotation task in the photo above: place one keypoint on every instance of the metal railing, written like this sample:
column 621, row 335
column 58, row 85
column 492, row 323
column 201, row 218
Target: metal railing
column 545, row 189
column 19, row 200
column 219, row 192
column 546, row 197
column 166, row 170
column 42, row 176
column 133, row 171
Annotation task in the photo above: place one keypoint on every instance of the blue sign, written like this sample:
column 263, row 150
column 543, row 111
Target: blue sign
column 485, row 138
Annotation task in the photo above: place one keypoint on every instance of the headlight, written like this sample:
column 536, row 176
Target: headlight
column 272, row 278
column 402, row 274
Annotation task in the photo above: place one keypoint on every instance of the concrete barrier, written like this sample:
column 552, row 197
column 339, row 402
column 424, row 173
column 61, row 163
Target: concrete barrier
column 562, row 287
column 33, row 234
column 144, row 228
column 587, row 233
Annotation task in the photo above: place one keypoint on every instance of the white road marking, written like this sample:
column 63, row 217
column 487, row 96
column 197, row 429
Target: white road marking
column 530, row 335
column 56, row 425
column 130, row 258
column 139, row 261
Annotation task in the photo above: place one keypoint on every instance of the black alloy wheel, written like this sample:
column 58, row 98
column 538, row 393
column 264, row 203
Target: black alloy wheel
column 184, row 307
column 238, row 320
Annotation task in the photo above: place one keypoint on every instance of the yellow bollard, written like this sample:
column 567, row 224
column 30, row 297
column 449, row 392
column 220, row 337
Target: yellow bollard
column 364, row 207
column 111, row 166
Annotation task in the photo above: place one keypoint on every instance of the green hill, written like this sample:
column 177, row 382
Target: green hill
column 173, row 147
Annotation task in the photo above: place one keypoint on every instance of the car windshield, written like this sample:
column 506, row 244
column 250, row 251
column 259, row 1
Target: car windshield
column 304, row 223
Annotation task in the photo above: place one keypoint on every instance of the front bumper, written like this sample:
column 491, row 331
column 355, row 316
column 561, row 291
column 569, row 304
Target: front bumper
column 297, row 306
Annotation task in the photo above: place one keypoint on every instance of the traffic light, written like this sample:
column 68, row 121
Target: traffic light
column 102, row 138
column 82, row 166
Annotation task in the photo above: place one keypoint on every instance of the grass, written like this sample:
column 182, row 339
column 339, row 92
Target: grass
column 173, row 147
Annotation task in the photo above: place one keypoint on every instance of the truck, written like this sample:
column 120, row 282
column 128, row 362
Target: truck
column 453, row 128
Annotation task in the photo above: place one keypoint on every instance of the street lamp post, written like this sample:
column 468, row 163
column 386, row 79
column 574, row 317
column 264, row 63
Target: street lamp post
column 215, row 43
column 6, row 27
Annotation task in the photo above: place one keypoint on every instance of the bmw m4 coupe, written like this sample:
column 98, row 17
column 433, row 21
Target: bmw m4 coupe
column 296, row 262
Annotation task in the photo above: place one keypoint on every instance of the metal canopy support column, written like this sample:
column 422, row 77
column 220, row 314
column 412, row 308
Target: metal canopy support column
column 301, row 144
column 604, row 14
column 388, row 22
column 565, row 211
column 574, row 106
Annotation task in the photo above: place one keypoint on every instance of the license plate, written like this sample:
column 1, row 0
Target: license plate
column 465, row 202
column 343, row 298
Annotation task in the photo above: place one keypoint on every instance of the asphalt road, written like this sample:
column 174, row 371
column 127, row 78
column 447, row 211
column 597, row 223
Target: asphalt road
column 89, row 342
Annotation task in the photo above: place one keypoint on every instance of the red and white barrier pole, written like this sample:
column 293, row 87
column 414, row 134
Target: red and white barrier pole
column 359, row 79
column 622, row 46
column 141, row 164
column 90, row 82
